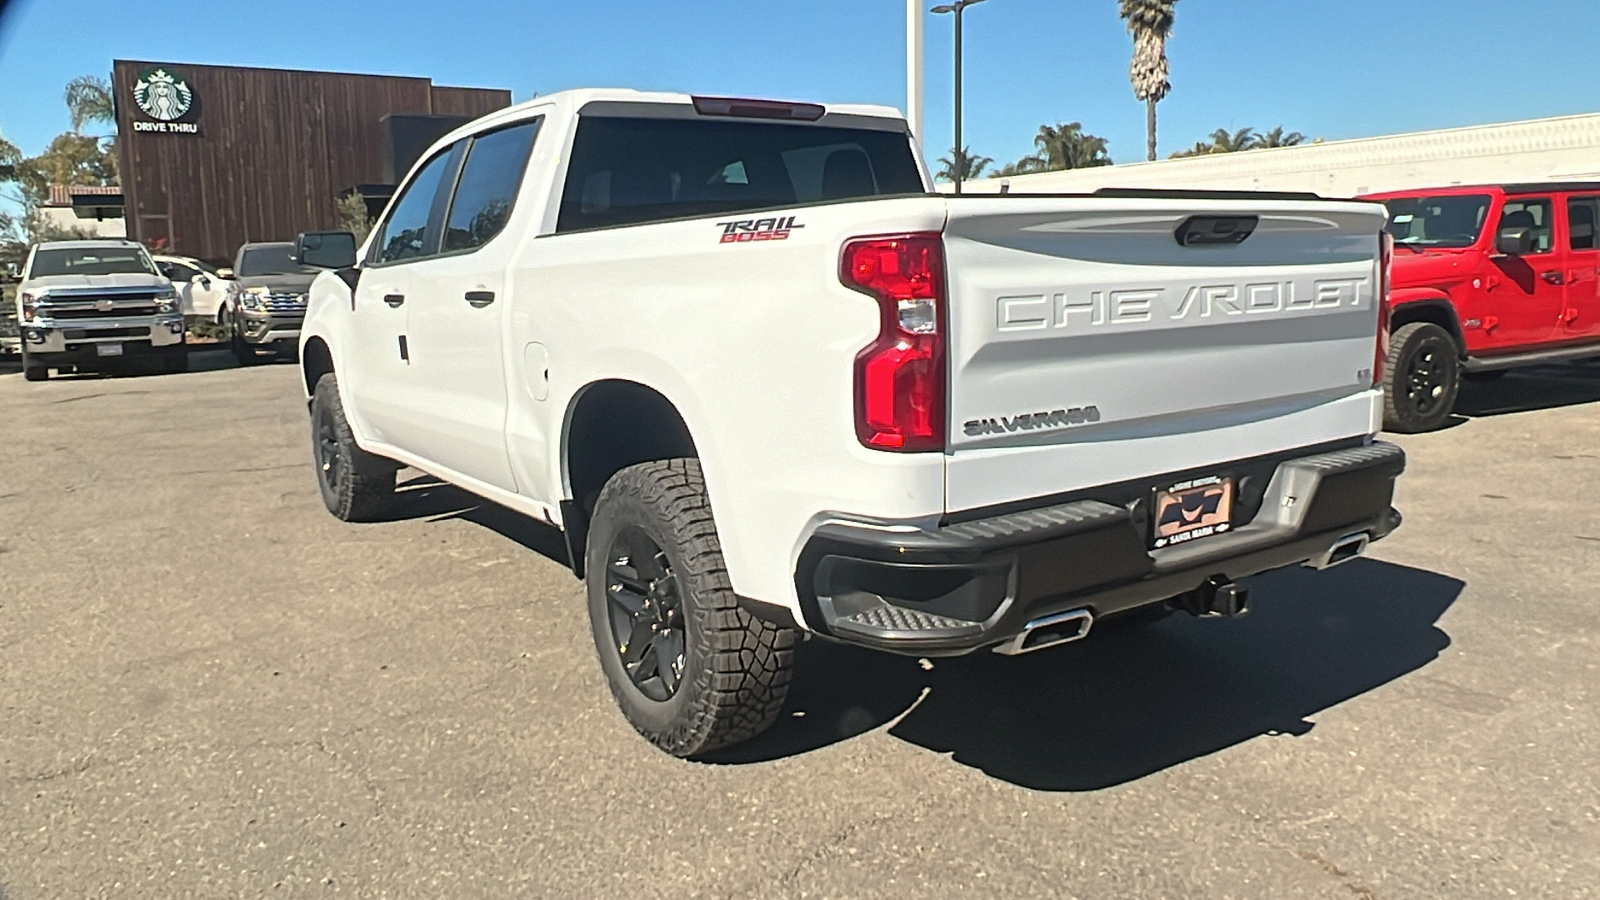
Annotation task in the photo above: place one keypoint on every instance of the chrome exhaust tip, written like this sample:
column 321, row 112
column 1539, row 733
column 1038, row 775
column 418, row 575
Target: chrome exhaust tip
column 1049, row 631
column 1343, row 550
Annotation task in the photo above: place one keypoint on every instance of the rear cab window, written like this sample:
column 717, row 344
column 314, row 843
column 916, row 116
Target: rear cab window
column 633, row 170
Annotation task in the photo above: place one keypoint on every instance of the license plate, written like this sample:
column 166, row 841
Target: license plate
column 108, row 349
column 1192, row 510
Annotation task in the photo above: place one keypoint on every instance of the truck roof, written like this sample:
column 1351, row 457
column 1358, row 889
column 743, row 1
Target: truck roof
column 576, row 100
column 90, row 242
column 1535, row 187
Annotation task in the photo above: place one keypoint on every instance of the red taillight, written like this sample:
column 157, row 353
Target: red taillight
column 900, row 382
column 1385, row 279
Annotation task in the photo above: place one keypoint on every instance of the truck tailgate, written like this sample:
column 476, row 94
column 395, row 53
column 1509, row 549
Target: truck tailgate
column 1089, row 345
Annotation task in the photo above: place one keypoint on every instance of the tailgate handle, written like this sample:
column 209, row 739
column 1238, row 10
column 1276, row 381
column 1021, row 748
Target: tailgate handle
column 1216, row 231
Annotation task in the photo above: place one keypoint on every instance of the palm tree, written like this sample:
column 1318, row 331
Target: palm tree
column 1277, row 138
column 89, row 100
column 1150, row 23
column 1069, row 147
column 971, row 167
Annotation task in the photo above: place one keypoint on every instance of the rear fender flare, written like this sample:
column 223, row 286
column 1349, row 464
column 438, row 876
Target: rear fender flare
column 1409, row 305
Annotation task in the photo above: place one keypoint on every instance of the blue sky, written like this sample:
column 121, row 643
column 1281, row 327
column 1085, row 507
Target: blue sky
column 1329, row 68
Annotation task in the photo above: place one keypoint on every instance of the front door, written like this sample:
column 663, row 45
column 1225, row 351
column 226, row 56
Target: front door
column 376, row 364
column 1527, row 293
column 457, row 313
column 1581, row 318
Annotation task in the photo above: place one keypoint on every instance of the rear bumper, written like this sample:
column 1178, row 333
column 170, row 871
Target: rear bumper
column 974, row 584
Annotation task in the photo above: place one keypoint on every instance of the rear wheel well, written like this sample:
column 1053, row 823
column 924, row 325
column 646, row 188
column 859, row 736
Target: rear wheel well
column 316, row 360
column 613, row 425
column 1439, row 312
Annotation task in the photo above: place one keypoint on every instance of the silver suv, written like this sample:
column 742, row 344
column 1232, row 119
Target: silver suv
column 86, row 306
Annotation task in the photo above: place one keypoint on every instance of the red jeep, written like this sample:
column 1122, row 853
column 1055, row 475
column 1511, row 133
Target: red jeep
column 1486, row 279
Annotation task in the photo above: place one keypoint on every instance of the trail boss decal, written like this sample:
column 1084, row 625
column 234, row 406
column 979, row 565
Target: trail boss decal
column 747, row 230
column 1061, row 418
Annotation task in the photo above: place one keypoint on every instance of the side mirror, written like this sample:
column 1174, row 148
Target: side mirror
column 326, row 249
column 1515, row 241
column 202, row 280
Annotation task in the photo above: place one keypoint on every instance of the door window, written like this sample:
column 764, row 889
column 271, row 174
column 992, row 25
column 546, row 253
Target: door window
column 488, row 186
column 1583, row 214
column 405, row 233
column 1534, row 215
column 178, row 272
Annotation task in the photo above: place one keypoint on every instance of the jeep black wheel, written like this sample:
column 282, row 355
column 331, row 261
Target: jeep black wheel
column 355, row 485
column 690, row 669
column 1422, row 376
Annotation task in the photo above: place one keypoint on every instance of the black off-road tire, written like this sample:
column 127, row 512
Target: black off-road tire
column 33, row 371
column 243, row 351
column 736, row 668
column 1421, row 378
column 175, row 361
column 356, row 485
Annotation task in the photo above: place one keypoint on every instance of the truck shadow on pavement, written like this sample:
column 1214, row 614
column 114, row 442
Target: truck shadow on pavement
column 1526, row 390
column 422, row 496
column 1127, row 703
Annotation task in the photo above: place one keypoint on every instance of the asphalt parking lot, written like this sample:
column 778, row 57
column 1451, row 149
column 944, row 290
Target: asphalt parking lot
column 211, row 688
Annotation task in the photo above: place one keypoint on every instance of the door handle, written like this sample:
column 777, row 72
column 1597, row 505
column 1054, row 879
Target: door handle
column 1553, row 277
column 480, row 299
column 394, row 300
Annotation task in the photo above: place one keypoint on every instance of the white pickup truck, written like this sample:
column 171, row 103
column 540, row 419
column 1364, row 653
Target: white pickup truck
column 768, row 384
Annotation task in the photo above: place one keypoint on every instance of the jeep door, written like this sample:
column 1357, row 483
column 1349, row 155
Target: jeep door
column 1581, row 318
column 377, row 371
column 1526, row 291
column 456, row 312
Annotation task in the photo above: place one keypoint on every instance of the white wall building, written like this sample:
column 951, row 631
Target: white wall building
column 89, row 208
column 1560, row 149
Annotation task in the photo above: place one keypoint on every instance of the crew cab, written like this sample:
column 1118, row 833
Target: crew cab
column 768, row 384
column 1487, row 279
column 88, row 306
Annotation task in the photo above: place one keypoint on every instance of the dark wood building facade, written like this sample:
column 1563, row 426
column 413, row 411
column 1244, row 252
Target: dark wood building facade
column 215, row 156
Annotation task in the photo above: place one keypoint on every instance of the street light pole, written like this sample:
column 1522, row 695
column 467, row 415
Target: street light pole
column 959, row 155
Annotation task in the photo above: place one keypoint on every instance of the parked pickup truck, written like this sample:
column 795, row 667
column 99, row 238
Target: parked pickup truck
column 1487, row 279
column 86, row 306
column 769, row 384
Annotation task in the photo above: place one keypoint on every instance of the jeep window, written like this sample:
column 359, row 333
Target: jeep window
column 1449, row 221
column 625, row 171
column 270, row 260
column 179, row 272
column 1534, row 215
column 404, row 233
column 1583, row 214
column 488, row 186
column 91, row 261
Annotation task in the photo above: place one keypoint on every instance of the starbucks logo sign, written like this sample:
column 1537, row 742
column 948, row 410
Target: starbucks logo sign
column 162, row 95
column 165, row 96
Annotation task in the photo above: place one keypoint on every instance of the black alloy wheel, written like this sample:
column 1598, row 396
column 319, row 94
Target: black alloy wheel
column 330, row 465
column 1422, row 378
column 645, row 607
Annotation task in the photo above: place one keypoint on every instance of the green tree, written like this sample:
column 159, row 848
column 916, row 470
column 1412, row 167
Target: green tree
column 1278, row 138
column 961, row 160
column 1225, row 141
column 89, row 100
column 1068, row 146
column 353, row 216
column 1150, row 23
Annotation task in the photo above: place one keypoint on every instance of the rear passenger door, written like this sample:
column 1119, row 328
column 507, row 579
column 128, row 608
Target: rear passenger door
column 456, row 311
column 1581, row 319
